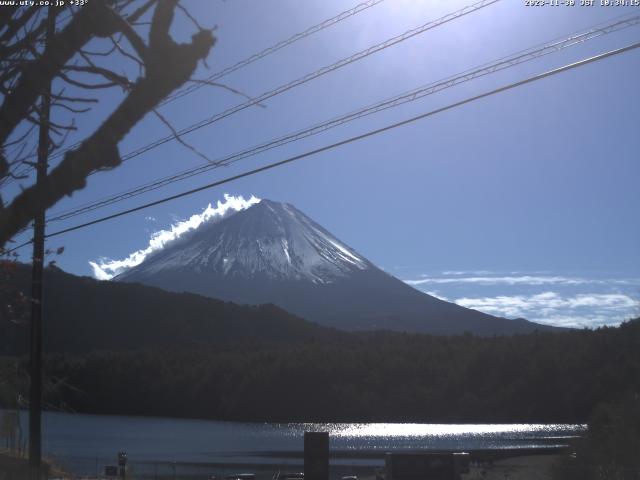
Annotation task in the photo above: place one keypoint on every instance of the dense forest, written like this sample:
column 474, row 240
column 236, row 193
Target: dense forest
column 537, row 377
column 130, row 349
column 609, row 449
column 83, row 314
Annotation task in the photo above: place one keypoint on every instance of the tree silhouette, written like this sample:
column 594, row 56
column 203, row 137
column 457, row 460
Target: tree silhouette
column 28, row 63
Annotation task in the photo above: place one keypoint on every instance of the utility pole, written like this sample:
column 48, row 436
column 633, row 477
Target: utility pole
column 35, row 366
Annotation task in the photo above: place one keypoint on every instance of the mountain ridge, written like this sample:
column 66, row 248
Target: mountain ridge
column 260, row 242
column 273, row 253
column 82, row 314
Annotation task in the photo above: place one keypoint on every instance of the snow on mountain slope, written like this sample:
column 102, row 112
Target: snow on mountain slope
column 271, row 252
column 272, row 239
column 105, row 269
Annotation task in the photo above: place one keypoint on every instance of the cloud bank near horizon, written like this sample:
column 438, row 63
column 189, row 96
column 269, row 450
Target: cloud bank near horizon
column 590, row 310
column 542, row 297
column 105, row 268
column 511, row 280
column 576, row 311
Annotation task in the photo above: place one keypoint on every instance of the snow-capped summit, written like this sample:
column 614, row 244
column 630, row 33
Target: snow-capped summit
column 270, row 252
column 269, row 239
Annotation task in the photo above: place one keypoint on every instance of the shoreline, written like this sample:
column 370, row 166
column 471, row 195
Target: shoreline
column 515, row 464
column 497, row 453
column 340, row 459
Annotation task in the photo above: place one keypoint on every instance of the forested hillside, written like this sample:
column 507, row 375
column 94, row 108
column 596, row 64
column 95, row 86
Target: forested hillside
column 538, row 377
column 82, row 314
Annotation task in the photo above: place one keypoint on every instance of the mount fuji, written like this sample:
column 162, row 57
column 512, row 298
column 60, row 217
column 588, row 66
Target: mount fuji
column 273, row 253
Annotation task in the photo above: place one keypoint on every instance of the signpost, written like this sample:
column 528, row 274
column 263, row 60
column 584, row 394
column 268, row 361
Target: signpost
column 122, row 463
column 316, row 455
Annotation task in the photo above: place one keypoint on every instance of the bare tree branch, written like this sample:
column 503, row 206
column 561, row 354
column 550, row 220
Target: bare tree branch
column 178, row 138
column 15, row 25
column 74, row 99
column 140, row 11
column 97, row 54
column 100, row 150
column 191, row 18
column 122, row 51
column 88, row 22
column 88, row 86
column 70, row 109
column 110, row 75
column 132, row 37
column 227, row 87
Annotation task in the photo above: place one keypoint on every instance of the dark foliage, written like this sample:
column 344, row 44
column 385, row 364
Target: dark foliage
column 611, row 448
column 82, row 314
column 132, row 349
column 28, row 67
column 538, row 377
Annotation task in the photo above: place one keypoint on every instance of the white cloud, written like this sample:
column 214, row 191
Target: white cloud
column 99, row 273
column 466, row 272
column 520, row 280
column 105, row 269
column 576, row 321
column 581, row 310
column 437, row 295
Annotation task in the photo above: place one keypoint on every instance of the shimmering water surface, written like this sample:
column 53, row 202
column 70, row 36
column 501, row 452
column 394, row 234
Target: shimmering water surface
column 89, row 441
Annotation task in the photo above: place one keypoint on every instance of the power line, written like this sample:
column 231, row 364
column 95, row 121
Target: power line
column 306, row 78
column 311, row 76
column 349, row 140
column 248, row 60
column 413, row 95
column 274, row 48
column 318, row 73
column 263, row 53
column 327, row 69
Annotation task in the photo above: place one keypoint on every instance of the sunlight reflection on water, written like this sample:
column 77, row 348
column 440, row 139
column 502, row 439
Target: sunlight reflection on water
column 83, row 441
column 380, row 436
column 439, row 430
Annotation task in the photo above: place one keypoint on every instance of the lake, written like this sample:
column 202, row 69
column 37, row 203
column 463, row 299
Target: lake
column 158, row 446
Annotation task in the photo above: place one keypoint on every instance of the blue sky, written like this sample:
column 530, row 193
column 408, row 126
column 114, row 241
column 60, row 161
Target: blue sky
column 522, row 204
